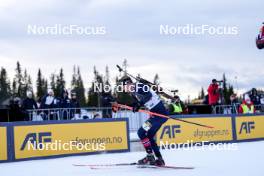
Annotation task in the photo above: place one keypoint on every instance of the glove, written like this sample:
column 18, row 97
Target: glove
column 136, row 107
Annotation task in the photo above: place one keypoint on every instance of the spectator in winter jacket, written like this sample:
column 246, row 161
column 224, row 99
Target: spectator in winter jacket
column 233, row 99
column 234, row 103
column 254, row 97
column 177, row 106
column 261, row 33
column 262, row 99
column 260, row 38
column 107, row 99
column 74, row 101
column 75, row 105
column 247, row 107
column 65, row 101
column 29, row 104
column 16, row 113
column 49, row 102
column 262, row 103
column 213, row 92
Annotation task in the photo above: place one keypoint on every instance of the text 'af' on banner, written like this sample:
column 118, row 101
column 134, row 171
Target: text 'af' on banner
column 45, row 140
column 250, row 127
column 176, row 132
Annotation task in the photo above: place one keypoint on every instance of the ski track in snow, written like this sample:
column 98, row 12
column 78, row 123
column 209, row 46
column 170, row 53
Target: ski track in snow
column 245, row 161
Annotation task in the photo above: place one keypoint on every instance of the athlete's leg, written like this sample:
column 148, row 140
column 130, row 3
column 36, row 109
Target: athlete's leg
column 156, row 124
column 142, row 134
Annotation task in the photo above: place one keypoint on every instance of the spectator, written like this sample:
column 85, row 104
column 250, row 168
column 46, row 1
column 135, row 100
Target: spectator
column 65, row 102
column 254, row 97
column 75, row 104
column 262, row 99
column 247, row 107
column 213, row 93
column 49, row 102
column 262, row 103
column 107, row 99
column 74, row 101
column 29, row 104
column 177, row 106
column 233, row 103
column 16, row 113
column 233, row 99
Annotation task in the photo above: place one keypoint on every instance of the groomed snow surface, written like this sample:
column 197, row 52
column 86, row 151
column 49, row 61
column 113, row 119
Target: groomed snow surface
column 246, row 160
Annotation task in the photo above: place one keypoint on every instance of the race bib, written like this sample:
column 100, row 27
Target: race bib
column 155, row 99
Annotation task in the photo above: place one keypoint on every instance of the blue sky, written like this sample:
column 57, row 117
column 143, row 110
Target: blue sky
column 185, row 62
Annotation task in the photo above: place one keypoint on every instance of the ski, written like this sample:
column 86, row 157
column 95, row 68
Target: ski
column 105, row 165
column 165, row 167
column 97, row 166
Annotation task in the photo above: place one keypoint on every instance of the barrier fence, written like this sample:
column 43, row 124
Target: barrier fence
column 135, row 119
column 69, row 113
column 233, row 109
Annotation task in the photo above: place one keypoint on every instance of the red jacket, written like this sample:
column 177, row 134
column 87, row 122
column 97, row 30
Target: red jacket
column 262, row 32
column 213, row 94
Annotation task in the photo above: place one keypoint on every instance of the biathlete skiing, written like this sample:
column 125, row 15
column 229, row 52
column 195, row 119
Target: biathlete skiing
column 144, row 96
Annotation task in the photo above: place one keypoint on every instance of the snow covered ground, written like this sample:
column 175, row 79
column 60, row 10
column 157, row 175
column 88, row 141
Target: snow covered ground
column 246, row 160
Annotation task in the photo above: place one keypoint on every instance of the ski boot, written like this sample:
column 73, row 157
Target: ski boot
column 148, row 160
column 160, row 162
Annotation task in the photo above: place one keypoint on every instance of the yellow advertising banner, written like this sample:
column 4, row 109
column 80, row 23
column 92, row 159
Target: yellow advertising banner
column 177, row 132
column 3, row 143
column 249, row 127
column 70, row 138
